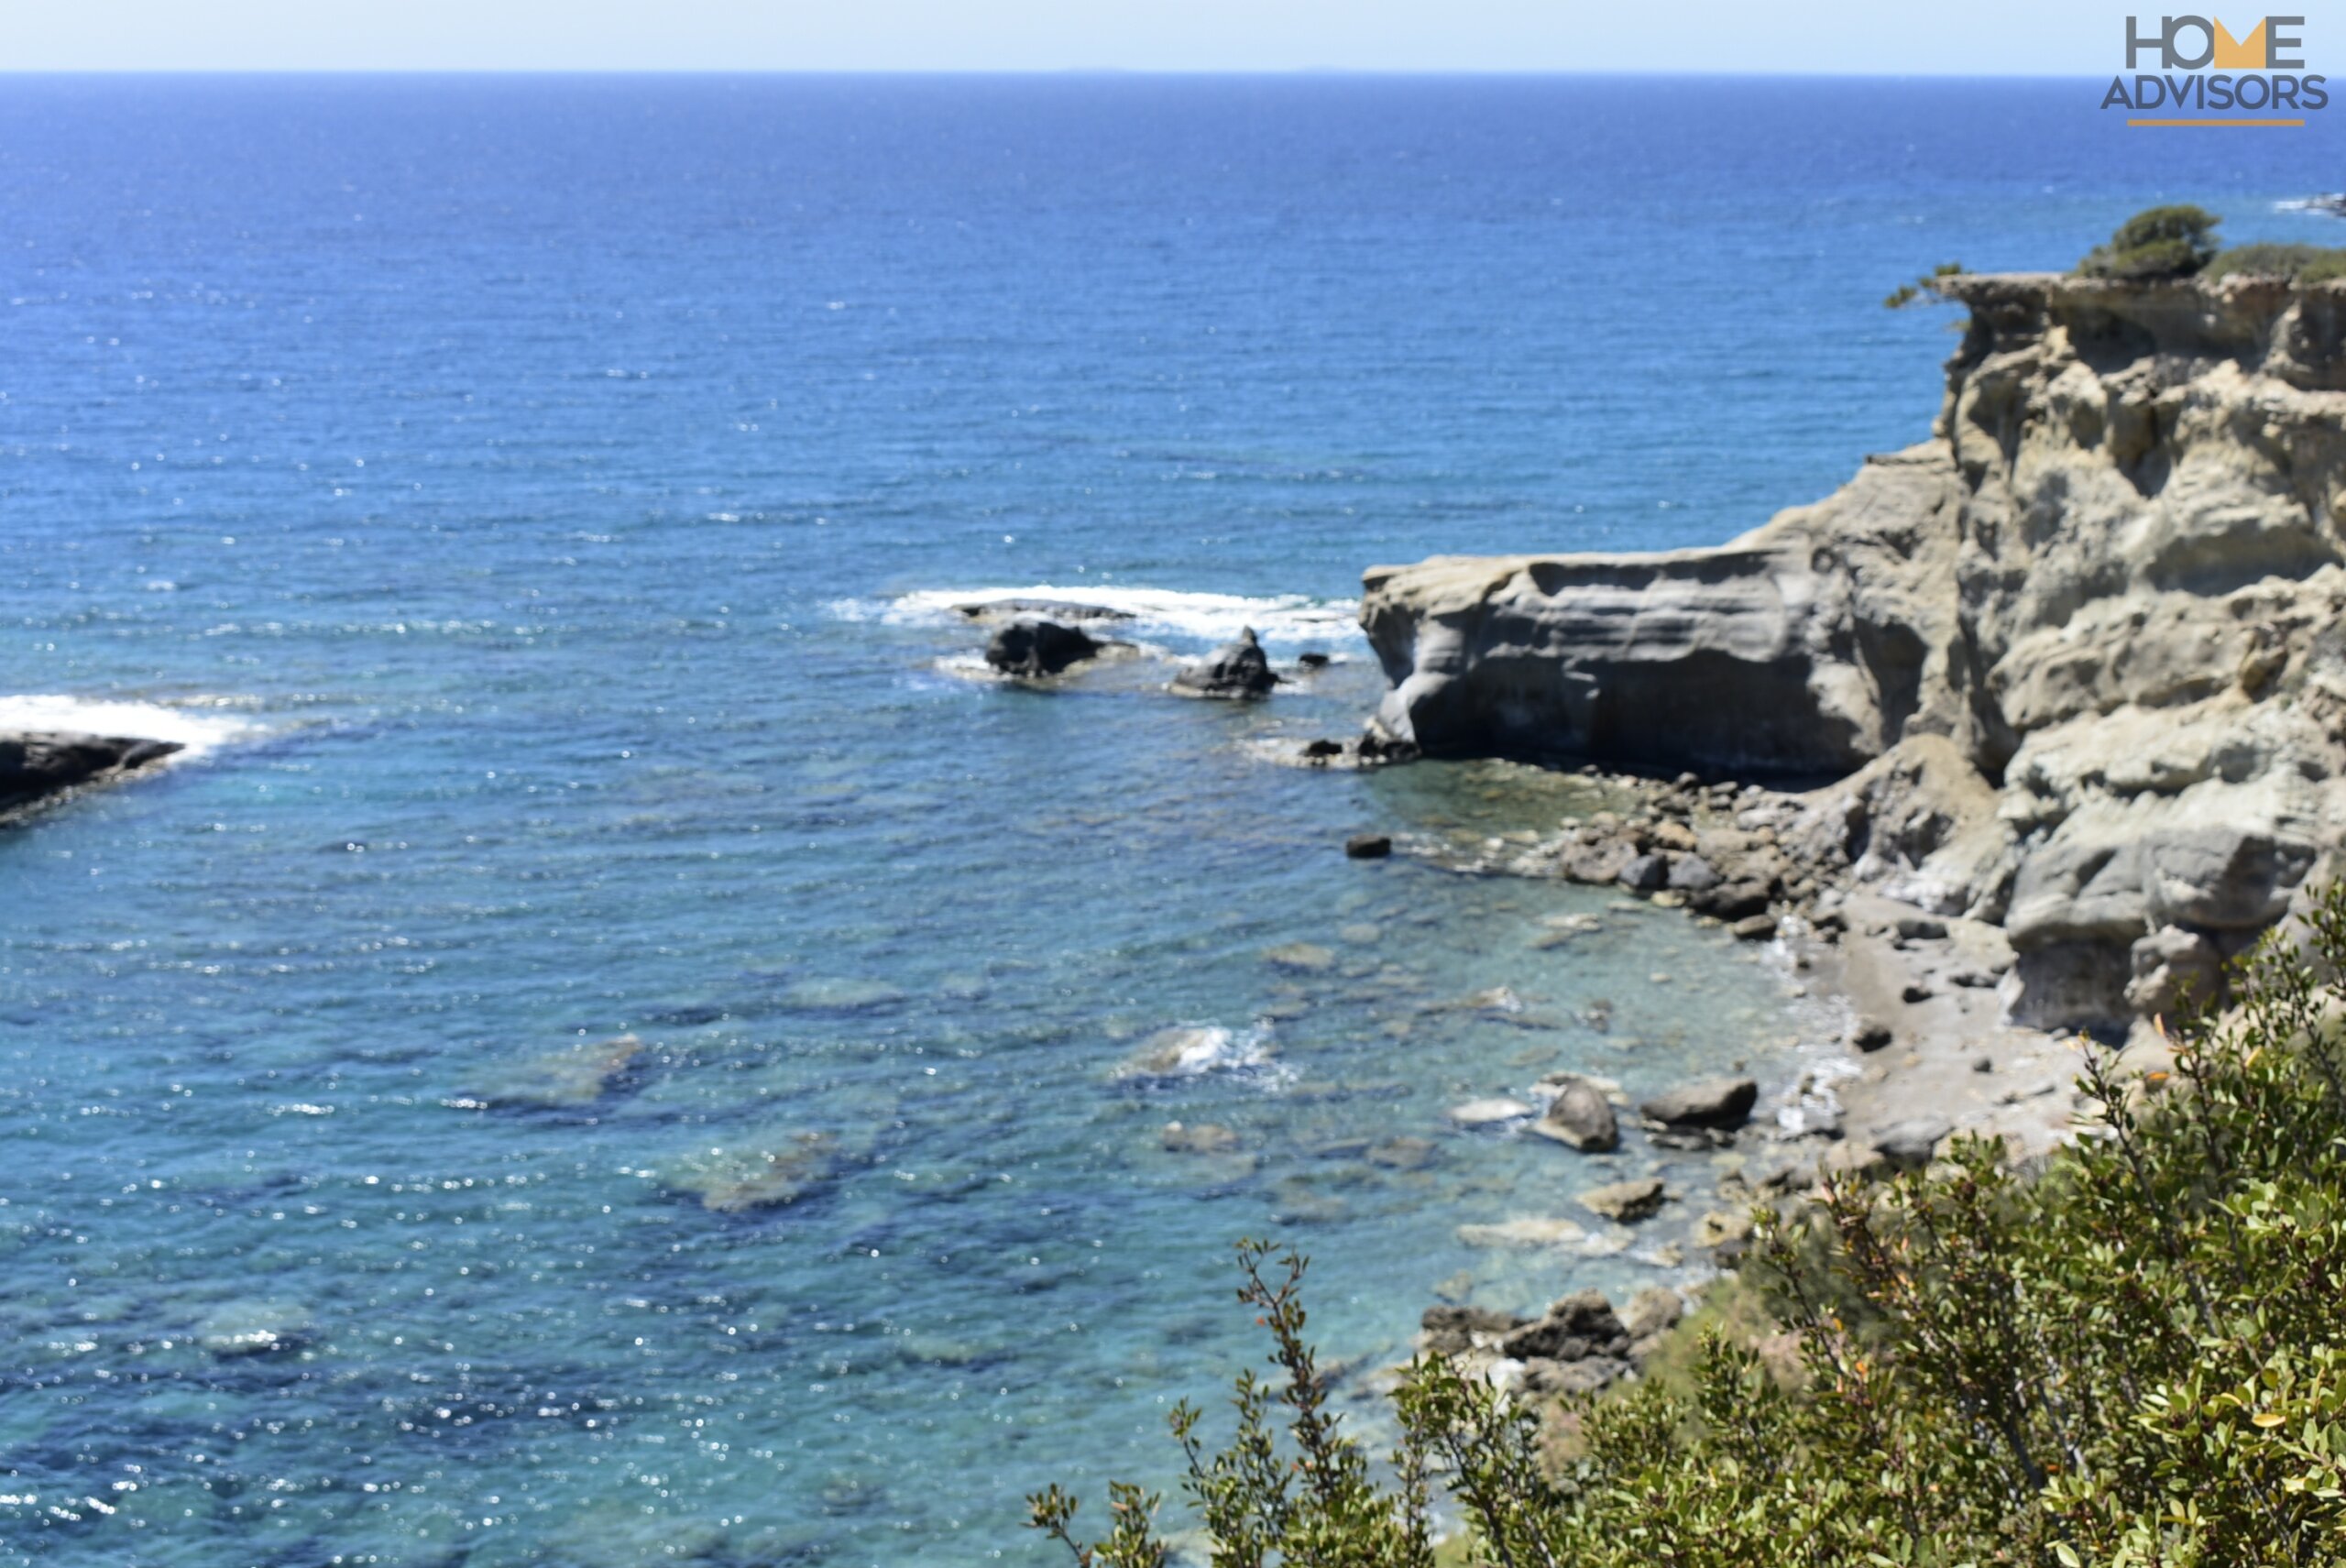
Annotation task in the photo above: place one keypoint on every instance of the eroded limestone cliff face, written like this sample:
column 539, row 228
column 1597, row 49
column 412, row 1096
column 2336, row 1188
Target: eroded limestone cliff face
column 2076, row 664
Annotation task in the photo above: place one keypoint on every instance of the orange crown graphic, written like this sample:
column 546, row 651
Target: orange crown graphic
column 2240, row 54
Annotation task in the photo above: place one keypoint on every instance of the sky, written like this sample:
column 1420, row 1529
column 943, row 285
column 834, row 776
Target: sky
column 2081, row 38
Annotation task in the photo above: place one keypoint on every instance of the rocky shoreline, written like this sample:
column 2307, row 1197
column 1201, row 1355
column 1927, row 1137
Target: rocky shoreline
column 1931, row 1053
column 2010, row 743
column 2013, row 741
column 41, row 767
column 2070, row 668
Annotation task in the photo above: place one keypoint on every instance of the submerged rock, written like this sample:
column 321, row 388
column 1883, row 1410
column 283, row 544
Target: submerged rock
column 38, row 764
column 759, row 1175
column 841, row 995
column 1202, row 1137
column 1368, row 847
column 1523, row 1233
column 1182, row 1051
column 1038, row 648
column 1308, row 957
column 1401, row 1154
column 1239, row 670
column 253, row 1328
column 574, row 1076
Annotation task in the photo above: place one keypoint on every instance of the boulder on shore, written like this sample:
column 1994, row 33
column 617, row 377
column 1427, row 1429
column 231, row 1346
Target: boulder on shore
column 1721, row 1104
column 1579, row 1117
column 37, row 765
column 1240, row 670
column 1581, row 1324
column 1039, row 647
column 1627, row 1202
column 1454, row 1331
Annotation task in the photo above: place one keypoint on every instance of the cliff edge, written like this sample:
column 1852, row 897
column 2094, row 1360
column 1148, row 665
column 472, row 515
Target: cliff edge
column 2074, row 665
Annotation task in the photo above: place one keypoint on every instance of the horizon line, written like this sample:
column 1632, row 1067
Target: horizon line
column 1028, row 73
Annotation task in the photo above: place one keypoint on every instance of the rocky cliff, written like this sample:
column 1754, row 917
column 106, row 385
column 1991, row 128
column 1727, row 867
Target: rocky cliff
column 2074, row 665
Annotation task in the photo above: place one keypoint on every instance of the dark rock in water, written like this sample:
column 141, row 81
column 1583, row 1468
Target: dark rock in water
column 1039, row 647
column 1871, row 1035
column 1240, row 670
column 1324, row 748
column 1721, row 1104
column 1452, row 1330
column 1754, row 928
column 1368, row 847
column 1402, row 1154
column 1314, row 660
column 991, row 611
column 1377, row 749
column 35, row 764
column 1581, row 1118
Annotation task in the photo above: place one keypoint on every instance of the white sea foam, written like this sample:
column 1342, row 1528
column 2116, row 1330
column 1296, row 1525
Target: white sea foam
column 1188, row 1050
column 197, row 727
column 1167, row 612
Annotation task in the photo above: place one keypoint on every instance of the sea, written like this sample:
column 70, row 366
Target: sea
column 541, row 507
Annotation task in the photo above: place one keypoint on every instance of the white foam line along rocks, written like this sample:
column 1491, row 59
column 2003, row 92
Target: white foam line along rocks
column 53, row 746
column 2021, row 731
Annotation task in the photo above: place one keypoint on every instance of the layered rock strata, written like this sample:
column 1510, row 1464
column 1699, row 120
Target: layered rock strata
column 2073, row 666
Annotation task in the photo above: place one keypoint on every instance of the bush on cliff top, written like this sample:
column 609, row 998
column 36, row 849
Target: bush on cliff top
column 2297, row 263
column 2156, row 243
column 2135, row 1357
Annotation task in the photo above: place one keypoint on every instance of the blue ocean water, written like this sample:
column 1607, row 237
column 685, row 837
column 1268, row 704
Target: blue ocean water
column 537, row 496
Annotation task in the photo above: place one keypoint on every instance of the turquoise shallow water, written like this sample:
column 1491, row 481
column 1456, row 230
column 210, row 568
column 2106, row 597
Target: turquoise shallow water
column 519, row 483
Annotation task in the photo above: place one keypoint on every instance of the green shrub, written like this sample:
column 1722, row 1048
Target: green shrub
column 1907, row 293
column 2135, row 1356
column 2297, row 263
column 2160, row 242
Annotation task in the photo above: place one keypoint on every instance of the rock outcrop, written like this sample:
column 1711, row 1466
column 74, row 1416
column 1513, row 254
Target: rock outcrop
column 1240, row 670
column 2074, row 666
column 36, row 765
column 1038, row 648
